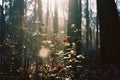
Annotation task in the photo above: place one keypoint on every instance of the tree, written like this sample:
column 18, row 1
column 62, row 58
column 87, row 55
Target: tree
column 74, row 23
column 87, row 26
column 97, row 33
column 47, row 15
column 40, row 10
column 109, row 35
column 2, row 33
column 16, row 20
column 55, row 21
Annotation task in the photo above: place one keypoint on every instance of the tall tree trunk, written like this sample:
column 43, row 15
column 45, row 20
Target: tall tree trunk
column 40, row 14
column 87, row 27
column 2, row 33
column 17, row 33
column 55, row 22
column 110, row 30
column 40, row 10
column 0, row 22
column 97, row 33
column 79, row 37
column 47, row 15
column 74, row 23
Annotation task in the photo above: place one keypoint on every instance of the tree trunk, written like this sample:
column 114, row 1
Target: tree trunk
column 40, row 14
column 87, row 27
column 47, row 16
column 97, row 33
column 74, row 23
column 16, row 20
column 55, row 22
column 40, row 10
column 109, row 35
column 2, row 34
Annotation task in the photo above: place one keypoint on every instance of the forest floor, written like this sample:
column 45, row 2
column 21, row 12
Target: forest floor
column 88, row 72
column 98, row 72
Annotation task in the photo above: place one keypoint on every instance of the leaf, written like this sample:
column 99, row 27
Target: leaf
column 65, row 40
column 53, row 42
column 42, row 24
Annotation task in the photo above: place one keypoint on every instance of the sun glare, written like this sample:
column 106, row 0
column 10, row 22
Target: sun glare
column 43, row 52
column 52, row 3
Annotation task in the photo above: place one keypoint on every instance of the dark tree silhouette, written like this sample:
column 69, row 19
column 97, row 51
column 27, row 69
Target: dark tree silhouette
column 87, row 26
column 109, row 32
column 2, row 34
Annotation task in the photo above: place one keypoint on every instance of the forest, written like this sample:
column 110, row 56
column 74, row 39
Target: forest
column 59, row 40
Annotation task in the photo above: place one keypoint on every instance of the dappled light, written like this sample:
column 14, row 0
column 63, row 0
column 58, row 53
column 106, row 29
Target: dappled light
column 59, row 39
column 43, row 52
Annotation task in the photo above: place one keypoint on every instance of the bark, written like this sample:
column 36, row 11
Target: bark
column 2, row 34
column 109, row 32
column 87, row 27
column 97, row 33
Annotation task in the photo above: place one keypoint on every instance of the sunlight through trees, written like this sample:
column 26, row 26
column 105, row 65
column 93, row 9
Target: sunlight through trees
column 58, row 39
